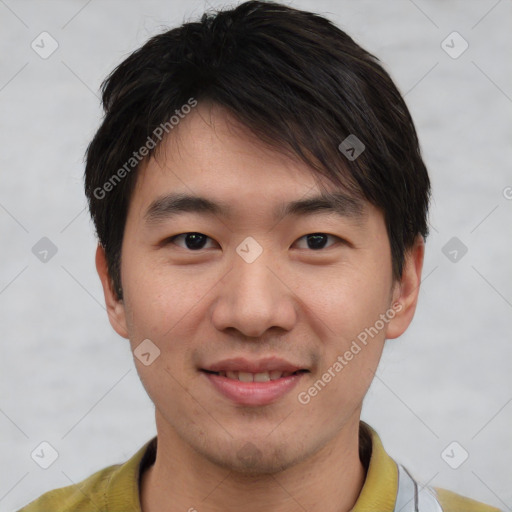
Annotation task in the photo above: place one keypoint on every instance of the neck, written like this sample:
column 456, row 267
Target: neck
column 180, row 479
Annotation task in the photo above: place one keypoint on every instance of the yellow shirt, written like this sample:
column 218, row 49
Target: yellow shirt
column 388, row 488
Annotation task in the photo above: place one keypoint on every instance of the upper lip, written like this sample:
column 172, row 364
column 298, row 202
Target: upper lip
column 240, row 364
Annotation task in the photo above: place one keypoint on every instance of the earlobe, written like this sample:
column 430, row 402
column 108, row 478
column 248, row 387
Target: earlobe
column 115, row 307
column 407, row 290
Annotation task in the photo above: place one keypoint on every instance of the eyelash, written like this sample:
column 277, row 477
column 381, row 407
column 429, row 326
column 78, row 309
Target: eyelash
column 171, row 239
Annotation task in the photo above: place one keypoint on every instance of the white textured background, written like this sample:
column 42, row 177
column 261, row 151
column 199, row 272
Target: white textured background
column 67, row 378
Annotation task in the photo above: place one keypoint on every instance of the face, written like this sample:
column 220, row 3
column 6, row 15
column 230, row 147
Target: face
column 258, row 311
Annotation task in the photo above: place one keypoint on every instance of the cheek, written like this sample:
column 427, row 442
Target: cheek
column 347, row 299
column 159, row 297
column 351, row 305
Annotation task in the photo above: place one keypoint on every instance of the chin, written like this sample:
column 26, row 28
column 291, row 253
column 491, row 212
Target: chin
column 254, row 459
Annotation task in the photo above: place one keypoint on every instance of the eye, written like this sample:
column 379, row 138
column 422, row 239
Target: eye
column 193, row 241
column 316, row 241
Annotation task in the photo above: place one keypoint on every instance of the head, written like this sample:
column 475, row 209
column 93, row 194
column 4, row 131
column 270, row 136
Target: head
column 249, row 109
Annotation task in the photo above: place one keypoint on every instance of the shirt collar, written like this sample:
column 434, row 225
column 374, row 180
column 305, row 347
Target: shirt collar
column 123, row 488
column 381, row 483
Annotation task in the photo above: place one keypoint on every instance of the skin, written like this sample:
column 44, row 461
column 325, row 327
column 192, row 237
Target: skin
column 301, row 304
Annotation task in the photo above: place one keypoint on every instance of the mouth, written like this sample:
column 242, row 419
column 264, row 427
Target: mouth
column 253, row 384
column 265, row 376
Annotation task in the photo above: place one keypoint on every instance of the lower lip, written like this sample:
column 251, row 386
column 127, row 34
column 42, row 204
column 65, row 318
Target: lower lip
column 253, row 393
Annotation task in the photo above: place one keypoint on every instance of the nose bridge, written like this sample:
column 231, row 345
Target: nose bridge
column 252, row 299
column 254, row 279
column 253, row 287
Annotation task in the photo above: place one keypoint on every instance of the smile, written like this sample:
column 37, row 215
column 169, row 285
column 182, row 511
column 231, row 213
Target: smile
column 253, row 389
column 256, row 377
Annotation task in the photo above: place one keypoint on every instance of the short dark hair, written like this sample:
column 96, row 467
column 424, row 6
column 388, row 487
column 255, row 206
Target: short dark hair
column 298, row 82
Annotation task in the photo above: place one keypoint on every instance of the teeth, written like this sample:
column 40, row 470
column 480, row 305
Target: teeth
column 245, row 377
column 255, row 377
column 261, row 377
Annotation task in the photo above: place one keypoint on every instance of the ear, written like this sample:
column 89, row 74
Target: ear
column 407, row 289
column 115, row 307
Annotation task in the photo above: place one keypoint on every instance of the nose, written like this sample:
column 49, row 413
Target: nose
column 254, row 297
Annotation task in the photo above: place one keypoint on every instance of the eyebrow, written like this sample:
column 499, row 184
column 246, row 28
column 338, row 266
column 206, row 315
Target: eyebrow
column 165, row 207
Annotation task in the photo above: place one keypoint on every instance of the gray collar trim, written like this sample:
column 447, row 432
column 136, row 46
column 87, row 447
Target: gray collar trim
column 411, row 499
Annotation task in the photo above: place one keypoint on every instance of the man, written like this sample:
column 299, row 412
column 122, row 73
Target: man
column 260, row 202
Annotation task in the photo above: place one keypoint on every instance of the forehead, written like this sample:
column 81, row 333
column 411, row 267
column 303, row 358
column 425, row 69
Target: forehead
column 211, row 156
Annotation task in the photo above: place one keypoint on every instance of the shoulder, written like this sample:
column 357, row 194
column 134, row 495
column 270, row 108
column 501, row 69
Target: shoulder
column 389, row 480
column 112, row 488
column 115, row 487
column 88, row 494
column 453, row 502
